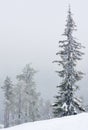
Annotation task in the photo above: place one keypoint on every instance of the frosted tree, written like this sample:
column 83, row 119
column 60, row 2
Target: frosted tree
column 30, row 96
column 19, row 102
column 66, row 103
column 8, row 96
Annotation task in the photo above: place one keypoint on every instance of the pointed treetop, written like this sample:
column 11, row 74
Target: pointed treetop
column 69, row 10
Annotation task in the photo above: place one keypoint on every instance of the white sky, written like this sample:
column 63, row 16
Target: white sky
column 30, row 31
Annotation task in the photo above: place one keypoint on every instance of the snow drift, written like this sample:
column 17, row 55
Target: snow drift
column 77, row 122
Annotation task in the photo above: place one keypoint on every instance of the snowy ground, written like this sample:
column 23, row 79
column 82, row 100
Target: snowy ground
column 77, row 122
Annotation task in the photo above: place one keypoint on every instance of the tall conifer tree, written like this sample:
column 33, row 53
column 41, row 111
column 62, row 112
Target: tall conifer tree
column 66, row 102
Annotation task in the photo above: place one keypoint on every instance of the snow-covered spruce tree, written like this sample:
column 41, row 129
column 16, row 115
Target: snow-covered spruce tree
column 8, row 96
column 66, row 102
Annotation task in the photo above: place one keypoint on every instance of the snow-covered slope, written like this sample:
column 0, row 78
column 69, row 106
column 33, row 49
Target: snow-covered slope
column 77, row 122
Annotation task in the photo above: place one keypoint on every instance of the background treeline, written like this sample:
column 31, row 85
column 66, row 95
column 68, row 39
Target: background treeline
column 22, row 102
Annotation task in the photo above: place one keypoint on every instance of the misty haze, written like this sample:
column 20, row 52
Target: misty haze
column 29, row 36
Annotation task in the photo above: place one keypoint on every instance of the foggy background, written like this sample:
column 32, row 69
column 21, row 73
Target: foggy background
column 29, row 33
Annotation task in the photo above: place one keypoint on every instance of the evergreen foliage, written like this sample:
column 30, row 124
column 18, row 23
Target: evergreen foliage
column 66, row 102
